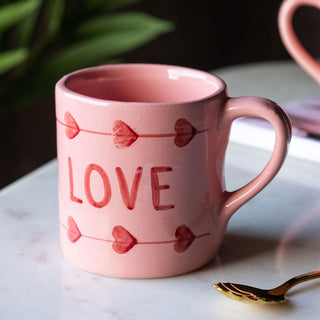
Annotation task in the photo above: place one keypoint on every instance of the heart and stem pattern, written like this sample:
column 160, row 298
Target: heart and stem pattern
column 123, row 241
column 124, row 136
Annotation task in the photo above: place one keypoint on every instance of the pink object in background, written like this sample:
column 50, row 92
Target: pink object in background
column 290, row 40
column 305, row 114
column 141, row 152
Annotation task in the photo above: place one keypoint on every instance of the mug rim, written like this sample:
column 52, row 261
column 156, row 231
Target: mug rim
column 220, row 84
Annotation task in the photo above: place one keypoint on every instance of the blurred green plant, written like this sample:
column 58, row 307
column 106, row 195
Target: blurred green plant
column 41, row 40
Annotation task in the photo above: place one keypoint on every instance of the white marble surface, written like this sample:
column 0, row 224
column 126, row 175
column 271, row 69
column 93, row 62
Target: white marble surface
column 272, row 238
column 280, row 81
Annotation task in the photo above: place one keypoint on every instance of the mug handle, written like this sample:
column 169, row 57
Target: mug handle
column 263, row 108
column 290, row 40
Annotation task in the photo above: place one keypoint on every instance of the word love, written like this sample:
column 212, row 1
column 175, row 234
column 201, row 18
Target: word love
column 129, row 197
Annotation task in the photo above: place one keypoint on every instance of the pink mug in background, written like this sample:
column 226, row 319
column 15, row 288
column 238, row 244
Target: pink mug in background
column 304, row 112
column 141, row 152
column 290, row 40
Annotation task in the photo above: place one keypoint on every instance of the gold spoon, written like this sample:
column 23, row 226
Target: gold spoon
column 249, row 294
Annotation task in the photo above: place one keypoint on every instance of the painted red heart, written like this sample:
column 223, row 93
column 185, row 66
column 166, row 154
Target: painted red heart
column 123, row 240
column 124, row 136
column 73, row 233
column 72, row 128
column 184, row 238
column 185, row 132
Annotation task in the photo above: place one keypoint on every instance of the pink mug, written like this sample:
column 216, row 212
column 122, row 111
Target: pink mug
column 290, row 40
column 141, row 151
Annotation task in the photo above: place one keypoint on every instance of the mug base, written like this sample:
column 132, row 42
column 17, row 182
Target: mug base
column 141, row 263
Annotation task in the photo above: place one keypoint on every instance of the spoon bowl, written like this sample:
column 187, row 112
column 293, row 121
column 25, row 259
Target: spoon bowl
column 250, row 294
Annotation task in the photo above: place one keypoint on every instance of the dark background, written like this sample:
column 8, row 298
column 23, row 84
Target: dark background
column 207, row 35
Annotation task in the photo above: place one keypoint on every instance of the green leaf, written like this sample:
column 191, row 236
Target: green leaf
column 107, row 45
column 13, row 12
column 134, row 21
column 54, row 16
column 97, row 40
column 108, row 4
column 25, row 29
column 12, row 58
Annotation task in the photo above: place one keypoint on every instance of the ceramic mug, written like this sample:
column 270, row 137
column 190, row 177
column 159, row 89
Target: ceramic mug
column 290, row 40
column 141, row 151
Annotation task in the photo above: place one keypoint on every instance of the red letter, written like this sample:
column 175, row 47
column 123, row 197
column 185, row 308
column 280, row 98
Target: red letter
column 156, row 188
column 72, row 196
column 129, row 199
column 106, row 184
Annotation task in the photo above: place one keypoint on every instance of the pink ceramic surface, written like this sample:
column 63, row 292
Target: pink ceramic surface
column 290, row 40
column 141, row 152
column 304, row 114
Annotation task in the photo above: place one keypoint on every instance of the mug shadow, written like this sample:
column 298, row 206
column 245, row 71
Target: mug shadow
column 240, row 246
column 236, row 246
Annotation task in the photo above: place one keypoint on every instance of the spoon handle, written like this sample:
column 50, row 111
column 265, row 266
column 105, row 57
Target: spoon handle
column 296, row 280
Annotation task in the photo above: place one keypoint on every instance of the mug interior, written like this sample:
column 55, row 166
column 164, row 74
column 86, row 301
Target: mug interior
column 144, row 83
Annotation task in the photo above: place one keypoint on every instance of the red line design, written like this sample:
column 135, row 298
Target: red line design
column 147, row 135
column 84, row 130
column 124, row 135
column 166, row 135
column 129, row 198
column 106, row 183
column 139, row 242
column 72, row 196
column 172, row 241
column 156, row 188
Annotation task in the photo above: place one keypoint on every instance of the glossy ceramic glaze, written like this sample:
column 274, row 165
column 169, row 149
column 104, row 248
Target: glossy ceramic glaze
column 141, row 152
column 290, row 40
